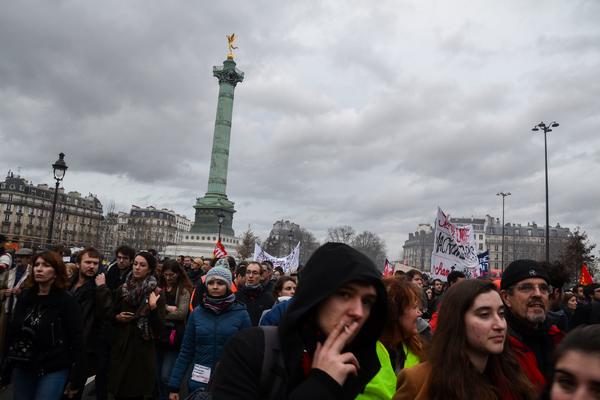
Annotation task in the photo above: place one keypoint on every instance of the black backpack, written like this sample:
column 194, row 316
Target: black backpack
column 273, row 365
column 272, row 371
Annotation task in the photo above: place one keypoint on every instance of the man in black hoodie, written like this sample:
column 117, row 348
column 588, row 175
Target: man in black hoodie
column 327, row 337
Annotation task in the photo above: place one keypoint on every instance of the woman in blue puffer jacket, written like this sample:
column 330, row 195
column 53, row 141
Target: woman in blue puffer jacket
column 217, row 318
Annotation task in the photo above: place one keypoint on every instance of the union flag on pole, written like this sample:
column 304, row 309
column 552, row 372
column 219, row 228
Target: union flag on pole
column 388, row 269
column 585, row 278
column 219, row 251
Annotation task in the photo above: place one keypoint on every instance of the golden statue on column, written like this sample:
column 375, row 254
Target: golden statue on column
column 230, row 46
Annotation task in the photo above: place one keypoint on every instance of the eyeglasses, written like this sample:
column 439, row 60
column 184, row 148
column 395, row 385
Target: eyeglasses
column 530, row 287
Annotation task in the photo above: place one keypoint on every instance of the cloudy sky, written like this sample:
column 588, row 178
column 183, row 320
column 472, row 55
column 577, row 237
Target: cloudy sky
column 363, row 113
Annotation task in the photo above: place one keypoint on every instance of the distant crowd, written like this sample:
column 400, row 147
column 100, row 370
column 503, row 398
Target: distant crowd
column 149, row 328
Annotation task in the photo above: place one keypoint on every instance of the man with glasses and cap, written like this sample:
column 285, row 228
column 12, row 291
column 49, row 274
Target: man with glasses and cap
column 525, row 289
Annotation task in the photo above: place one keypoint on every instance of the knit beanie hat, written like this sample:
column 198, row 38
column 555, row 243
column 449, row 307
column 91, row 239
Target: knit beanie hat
column 220, row 273
column 222, row 262
column 519, row 270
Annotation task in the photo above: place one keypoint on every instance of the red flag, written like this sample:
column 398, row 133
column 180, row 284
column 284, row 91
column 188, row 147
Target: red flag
column 585, row 278
column 219, row 251
column 388, row 269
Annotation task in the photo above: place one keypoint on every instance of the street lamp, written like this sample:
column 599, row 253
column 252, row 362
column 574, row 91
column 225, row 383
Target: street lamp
column 290, row 238
column 503, row 196
column 546, row 129
column 220, row 219
column 59, row 168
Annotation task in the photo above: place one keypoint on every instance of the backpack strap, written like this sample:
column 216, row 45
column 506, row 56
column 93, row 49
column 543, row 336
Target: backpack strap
column 271, row 379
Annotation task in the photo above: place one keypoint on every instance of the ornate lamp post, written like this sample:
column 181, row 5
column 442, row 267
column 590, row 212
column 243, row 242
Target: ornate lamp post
column 220, row 219
column 503, row 196
column 59, row 168
column 546, row 128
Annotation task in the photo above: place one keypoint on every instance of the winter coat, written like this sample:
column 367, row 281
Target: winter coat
column 58, row 343
column 274, row 316
column 413, row 383
column 179, row 297
column 533, row 349
column 8, row 303
column 133, row 359
column 256, row 302
column 114, row 277
column 331, row 267
column 205, row 336
column 96, row 310
column 8, row 281
column 587, row 314
column 383, row 385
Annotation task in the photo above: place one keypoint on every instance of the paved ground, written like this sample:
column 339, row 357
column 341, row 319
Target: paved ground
column 8, row 394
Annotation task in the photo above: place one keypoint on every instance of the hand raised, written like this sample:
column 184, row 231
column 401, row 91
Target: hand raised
column 100, row 279
column 153, row 300
column 328, row 356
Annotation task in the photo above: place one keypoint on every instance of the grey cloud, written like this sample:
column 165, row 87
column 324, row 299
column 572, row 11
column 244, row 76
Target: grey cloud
column 360, row 114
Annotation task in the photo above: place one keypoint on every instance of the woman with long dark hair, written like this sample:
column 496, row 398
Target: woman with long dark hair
column 45, row 346
column 469, row 357
column 139, row 315
column 176, row 288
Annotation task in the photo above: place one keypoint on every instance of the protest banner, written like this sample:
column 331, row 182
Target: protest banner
column 484, row 263
column 453, row 249
column 288, row 263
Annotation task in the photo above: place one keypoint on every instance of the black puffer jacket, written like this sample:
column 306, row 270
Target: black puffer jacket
column 58, row 340
column 331, row 266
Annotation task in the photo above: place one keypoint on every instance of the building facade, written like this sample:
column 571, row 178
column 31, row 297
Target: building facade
column 114, row 232
column 151, row 228
column 418, row 248
column 26, row 211
column 183, row 226
column 521, row 242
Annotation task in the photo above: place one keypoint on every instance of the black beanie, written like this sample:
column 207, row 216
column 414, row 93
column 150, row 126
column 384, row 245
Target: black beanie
column 519, row 270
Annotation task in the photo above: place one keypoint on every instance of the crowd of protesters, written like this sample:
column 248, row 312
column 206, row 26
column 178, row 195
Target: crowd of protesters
column 151, row 328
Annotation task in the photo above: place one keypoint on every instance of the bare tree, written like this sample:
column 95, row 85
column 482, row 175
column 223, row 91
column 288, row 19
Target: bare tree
column 579, row 250
column 308, row 245
column 341, row 234
column 372, row 246
column 245, row 249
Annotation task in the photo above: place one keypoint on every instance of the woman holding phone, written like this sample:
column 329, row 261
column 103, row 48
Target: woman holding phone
column 140, row 317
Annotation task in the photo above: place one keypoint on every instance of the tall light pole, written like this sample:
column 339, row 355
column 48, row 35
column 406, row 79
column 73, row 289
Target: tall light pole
column 503, row 197
column 290, row 238
column 546, row 128
column 59, row 168
column 220, row 219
